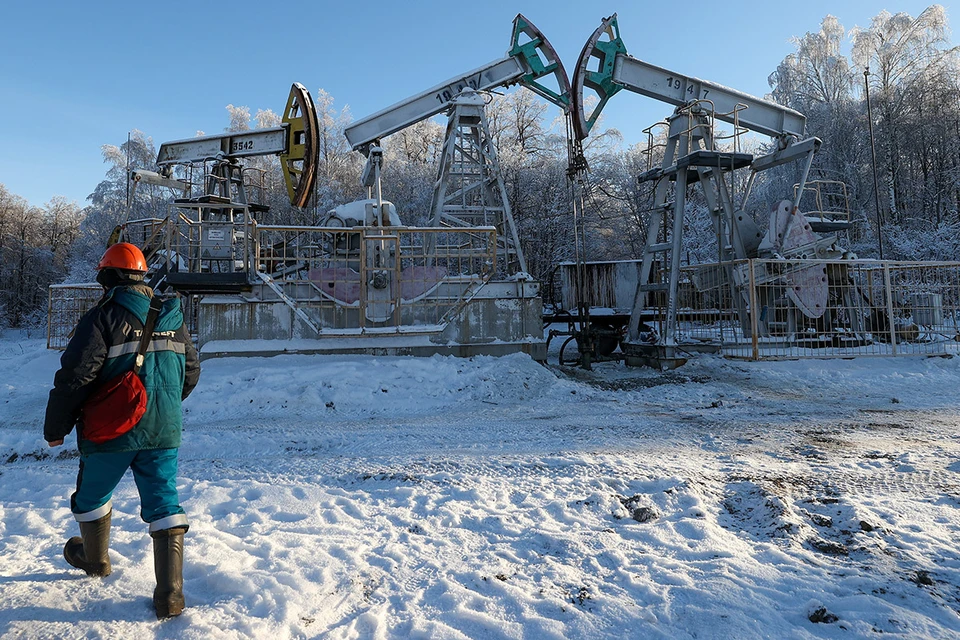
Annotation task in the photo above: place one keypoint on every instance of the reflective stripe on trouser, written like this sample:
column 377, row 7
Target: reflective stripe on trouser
column 154, row 471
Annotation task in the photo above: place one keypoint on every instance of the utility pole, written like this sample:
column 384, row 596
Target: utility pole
column 873, row 151
column 127, row 176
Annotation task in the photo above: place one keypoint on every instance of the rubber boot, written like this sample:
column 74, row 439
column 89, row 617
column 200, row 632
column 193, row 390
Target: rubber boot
column 89, row 551
column 168, row 566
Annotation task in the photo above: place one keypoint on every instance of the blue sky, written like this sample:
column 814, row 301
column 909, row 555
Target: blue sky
column 77, row 75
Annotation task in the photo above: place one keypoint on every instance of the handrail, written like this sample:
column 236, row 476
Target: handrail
column 403, row 229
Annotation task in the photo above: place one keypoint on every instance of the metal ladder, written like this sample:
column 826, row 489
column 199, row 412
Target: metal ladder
column 290, row 302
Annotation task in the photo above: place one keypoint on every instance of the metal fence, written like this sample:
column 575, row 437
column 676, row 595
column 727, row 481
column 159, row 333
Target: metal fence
column 363, row 280
column 347, row 279
column 395, row 279
column 369, row 279
column 771, row 309
column 66, row 304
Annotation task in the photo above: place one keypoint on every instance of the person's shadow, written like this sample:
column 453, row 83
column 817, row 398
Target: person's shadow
column 40, row 577
column 138, row 610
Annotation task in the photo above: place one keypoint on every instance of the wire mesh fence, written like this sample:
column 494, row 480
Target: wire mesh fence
column 769, row 309
column 351, row 280
column 370, row 279
column 66, row 304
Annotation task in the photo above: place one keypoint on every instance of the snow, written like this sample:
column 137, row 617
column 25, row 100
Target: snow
column 391, row 497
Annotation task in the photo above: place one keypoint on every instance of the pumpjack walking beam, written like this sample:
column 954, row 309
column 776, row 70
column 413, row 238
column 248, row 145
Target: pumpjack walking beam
column 295, row 141
column 528, row 62
column 617, row 70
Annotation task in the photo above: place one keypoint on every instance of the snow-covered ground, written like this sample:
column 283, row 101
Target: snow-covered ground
column 363, row 497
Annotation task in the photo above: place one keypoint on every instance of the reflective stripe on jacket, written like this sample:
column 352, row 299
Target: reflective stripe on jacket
column 104, row 346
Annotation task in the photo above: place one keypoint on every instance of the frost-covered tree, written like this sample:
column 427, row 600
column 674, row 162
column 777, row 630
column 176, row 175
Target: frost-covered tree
column 115, row 201
column 338, row 168
column 35, row 247
column 914, row 77
column 817, row 73
column 911, row 67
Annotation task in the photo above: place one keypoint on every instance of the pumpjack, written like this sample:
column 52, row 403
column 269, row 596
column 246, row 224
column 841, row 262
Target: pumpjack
column 360, row 273
column 694, row 154
column 359, row 243
column 217, row 254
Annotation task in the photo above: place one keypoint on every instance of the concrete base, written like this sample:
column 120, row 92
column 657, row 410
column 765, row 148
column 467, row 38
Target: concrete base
column 374, row 345
column 498, row 319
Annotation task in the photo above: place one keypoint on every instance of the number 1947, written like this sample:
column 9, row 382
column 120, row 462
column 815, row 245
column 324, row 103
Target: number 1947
column 677, row 83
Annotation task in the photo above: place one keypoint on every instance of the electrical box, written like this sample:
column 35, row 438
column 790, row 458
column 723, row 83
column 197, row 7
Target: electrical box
column 216, row 241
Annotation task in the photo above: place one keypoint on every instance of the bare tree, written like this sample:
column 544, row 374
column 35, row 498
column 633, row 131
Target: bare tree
column 902, row 53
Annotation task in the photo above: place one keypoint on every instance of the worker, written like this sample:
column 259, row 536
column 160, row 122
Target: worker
column 105, row 345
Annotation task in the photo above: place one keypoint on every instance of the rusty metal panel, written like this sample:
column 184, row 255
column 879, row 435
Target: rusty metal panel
column 607, row 285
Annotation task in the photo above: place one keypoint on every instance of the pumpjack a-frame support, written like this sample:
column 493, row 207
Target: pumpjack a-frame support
column 690, row 156
column 469, row 191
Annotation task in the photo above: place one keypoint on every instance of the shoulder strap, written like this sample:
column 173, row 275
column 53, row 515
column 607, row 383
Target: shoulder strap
column 147, row 334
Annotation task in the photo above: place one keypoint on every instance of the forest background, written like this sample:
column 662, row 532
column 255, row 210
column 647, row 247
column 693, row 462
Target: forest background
column 914, row 89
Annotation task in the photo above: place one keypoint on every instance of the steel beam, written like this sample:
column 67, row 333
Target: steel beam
column 432, row 101
column 154, row 178
column 239, row 144
column 677, row 89
column 787, row 154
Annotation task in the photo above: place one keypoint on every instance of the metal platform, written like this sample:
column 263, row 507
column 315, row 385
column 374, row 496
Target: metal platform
column 701, row 159
column 197, row 283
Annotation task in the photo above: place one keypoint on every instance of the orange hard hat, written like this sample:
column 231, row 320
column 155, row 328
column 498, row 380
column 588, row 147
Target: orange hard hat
column 123, row 255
